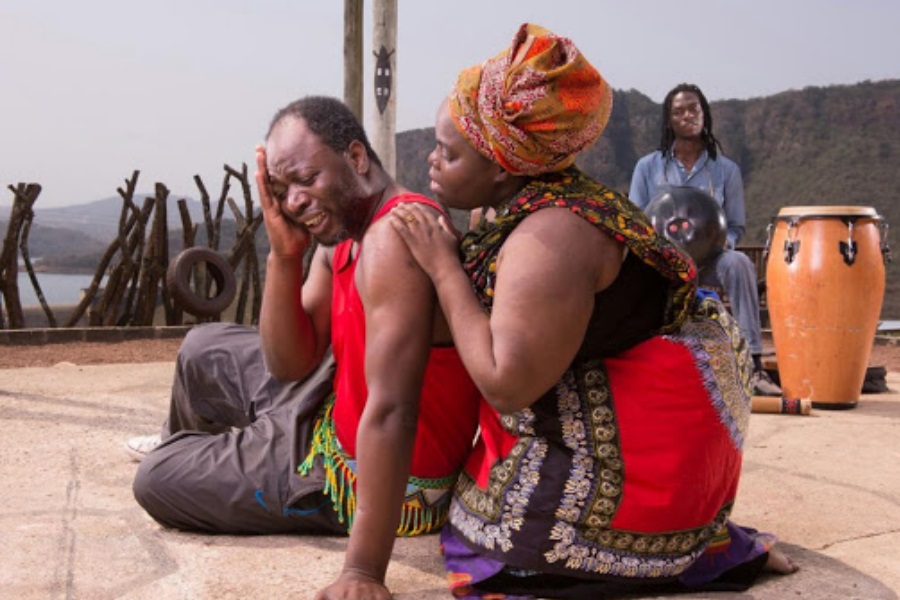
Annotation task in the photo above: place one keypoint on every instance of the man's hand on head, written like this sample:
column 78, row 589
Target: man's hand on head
column 286, row 239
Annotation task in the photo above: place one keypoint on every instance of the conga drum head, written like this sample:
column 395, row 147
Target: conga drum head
column 828, row 211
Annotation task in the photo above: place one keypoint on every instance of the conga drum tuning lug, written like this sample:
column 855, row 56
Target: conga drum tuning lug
column 848, row 251
column 885, row 247
column 791, row 249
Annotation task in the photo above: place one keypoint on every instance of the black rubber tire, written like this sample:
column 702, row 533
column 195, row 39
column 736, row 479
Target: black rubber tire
column 178, row 279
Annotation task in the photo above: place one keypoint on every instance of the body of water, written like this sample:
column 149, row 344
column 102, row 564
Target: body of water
column 58, row 289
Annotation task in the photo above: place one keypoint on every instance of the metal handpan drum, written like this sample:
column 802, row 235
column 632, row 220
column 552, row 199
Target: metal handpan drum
column 825, row 283
column 692, row 219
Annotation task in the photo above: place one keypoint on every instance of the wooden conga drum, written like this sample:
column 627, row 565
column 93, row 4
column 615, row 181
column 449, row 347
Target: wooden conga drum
column 825, row 285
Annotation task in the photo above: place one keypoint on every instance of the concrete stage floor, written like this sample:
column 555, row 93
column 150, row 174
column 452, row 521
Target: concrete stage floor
column 827, row 484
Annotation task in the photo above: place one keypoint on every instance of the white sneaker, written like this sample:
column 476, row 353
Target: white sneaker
column 763, row 384
column 138, row 447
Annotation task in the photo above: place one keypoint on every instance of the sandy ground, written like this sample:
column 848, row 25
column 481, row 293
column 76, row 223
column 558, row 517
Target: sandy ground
column 161, row 350
column 89, row 353
column 826, row 484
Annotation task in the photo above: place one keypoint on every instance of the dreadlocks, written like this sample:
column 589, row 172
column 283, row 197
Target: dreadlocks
column 668, row 136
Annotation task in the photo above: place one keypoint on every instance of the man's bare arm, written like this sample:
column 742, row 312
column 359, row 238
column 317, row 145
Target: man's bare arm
column 399, row 303
column 294, row 320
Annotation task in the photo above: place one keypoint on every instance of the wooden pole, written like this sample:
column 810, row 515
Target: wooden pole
column 22, row 212
column 383, row 121
column 353, row 56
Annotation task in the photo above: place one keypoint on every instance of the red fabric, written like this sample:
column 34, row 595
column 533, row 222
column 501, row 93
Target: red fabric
column 670, row 481
column 449, row 400
column 494, row 443
column 662, row 409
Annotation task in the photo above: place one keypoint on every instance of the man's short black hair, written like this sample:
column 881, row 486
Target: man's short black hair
column 330, row 120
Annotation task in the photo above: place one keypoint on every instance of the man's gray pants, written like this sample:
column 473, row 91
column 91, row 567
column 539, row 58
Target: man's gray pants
column 233, row 439
column 734, row 272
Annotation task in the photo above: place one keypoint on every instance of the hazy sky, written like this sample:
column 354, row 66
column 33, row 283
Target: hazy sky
column 91, row 90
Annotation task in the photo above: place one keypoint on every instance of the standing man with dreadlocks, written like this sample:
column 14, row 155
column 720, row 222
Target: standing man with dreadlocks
column 690, row 155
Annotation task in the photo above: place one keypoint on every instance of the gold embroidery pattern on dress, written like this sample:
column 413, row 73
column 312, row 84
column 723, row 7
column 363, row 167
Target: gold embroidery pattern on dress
column 582, row 537
column 487, row 527
column 519, row 423
column 630, row 554
column 590, row 432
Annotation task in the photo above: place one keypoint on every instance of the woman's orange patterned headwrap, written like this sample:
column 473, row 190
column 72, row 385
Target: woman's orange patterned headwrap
column 533, row 107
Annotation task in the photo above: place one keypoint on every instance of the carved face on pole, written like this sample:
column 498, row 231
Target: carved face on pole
column 383, row 78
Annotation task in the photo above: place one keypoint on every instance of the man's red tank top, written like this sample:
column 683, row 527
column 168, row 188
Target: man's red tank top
column 448, row 411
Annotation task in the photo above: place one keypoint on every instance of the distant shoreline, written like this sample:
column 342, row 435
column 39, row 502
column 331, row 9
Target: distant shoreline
column 52, row 269
column 35, row 318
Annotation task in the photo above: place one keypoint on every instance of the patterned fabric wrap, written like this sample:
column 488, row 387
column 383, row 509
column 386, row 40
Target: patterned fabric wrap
column 608, row 210
column 425, row 505
column 628, row 467
column 533, row 107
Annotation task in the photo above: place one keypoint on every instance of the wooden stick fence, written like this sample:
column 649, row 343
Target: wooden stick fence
column 135, row 291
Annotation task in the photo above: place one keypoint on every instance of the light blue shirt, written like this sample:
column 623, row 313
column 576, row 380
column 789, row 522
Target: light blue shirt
column 720, row 178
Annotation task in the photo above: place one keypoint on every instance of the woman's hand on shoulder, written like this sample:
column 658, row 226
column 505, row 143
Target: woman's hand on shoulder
column 429, row 235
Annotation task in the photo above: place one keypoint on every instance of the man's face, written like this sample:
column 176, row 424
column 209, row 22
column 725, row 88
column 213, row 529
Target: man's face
column 316, row 187
column 460, row 176
column 686, row 117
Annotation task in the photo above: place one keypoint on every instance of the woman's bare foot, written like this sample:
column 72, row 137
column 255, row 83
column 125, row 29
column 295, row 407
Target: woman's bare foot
column 779, row 563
